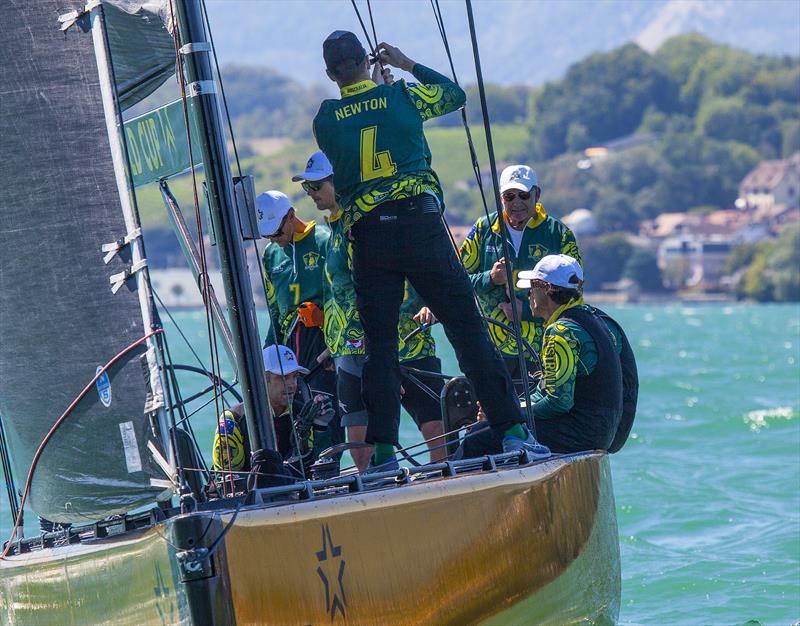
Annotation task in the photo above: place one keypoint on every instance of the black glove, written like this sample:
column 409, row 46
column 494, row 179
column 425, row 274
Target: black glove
column 319, row 411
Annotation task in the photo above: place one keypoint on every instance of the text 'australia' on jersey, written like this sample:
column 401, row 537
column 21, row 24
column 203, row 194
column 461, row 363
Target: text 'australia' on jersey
column 373, row 138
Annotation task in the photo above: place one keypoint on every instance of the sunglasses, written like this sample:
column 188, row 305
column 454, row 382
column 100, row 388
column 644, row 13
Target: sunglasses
column 509, row 196
column 313, row 185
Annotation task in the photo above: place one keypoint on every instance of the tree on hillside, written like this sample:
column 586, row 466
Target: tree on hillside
column 785, row 265
column 607, row 94
column 735, row 120
column 680, row 54
column 264, row 103
column 773, row 273
column 720, row 72
column 642, row 268
column 604, row 258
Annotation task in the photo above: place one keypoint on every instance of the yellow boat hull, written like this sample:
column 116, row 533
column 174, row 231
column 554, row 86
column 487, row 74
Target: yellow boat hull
column 530, row 545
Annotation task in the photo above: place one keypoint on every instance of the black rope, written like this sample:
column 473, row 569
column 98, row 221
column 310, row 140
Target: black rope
column 503, row 227
column 364, row 27
column 11, row 489
column 221, row 89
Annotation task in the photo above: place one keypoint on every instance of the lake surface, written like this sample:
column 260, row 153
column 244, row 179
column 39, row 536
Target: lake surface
column 708, row 486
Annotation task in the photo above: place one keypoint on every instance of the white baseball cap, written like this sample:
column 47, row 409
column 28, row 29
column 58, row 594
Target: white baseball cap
column 519, row 177
column 557, row 269
column 272, row 207
column 281, row 360
column 317, row 168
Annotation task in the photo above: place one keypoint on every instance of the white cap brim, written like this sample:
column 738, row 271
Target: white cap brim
column 312, row 176
column 290, row 369
column 525, row 277
column 267, row 228
column 515, row 184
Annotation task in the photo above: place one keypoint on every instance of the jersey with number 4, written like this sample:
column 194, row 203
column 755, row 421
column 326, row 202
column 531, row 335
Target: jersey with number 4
column 373, row 138
column 295, row 274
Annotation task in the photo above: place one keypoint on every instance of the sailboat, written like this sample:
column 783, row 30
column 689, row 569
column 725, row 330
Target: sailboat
column 89, row 402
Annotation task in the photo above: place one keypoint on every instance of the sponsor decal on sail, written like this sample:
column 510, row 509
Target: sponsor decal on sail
column 103, row 386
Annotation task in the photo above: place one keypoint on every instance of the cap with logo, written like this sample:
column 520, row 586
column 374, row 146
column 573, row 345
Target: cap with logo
column 341, row 47
column 556, row 269
column 272, row 207
column 281, row 360
column 519, row 177
column 317, row 168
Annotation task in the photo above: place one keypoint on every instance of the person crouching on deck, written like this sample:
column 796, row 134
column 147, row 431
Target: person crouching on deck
column 296, row 419
column 579, row 403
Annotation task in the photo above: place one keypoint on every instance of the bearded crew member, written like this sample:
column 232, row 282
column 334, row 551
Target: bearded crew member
column 533, row 235
column 344, row 334
column 391, row 201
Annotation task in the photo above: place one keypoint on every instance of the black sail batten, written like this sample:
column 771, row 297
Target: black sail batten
column 59, row 319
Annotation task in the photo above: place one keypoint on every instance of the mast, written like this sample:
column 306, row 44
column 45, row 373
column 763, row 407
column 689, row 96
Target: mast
column 195, row 49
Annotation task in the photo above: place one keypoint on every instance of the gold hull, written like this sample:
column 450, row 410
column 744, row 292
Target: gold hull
column 531, row 545
column 528, row 545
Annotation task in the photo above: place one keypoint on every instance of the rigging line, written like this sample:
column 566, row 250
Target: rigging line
column 476, row 169
column 182, row 406
column 59, row 421
column 417, row 445
column 503, row 227
column 180, row 331
column 222, row 90
column 13, row 503
column 273, row 329
column 374, row 32
column 168, row 391
column 210, row 328
column 372, row 46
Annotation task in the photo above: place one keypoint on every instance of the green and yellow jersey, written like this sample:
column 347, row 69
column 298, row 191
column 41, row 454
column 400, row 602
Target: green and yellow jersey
column 373, row 138
column 569, row 351
column 344, row 335
column 420, row 345
column 483, row 247
column 295, row 274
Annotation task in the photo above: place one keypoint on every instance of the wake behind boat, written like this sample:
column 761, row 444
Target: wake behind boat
column 98, row 429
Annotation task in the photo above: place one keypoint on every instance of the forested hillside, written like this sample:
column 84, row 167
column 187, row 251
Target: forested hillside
column 677, row 130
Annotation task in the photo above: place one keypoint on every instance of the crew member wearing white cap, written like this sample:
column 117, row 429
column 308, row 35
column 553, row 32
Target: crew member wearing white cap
column 293, row 267
column 579, row 404
column 282, row 373
column 533, row 234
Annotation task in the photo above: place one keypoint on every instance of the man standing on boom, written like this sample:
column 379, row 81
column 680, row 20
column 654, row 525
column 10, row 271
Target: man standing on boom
column 391, row 201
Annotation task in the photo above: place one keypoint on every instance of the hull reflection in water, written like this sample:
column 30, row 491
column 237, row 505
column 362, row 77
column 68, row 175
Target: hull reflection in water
column 529, row 545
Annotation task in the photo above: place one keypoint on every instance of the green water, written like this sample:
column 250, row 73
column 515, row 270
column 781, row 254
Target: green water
column 708, row 486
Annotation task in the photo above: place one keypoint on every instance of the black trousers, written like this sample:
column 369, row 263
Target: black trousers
column 407, row 239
